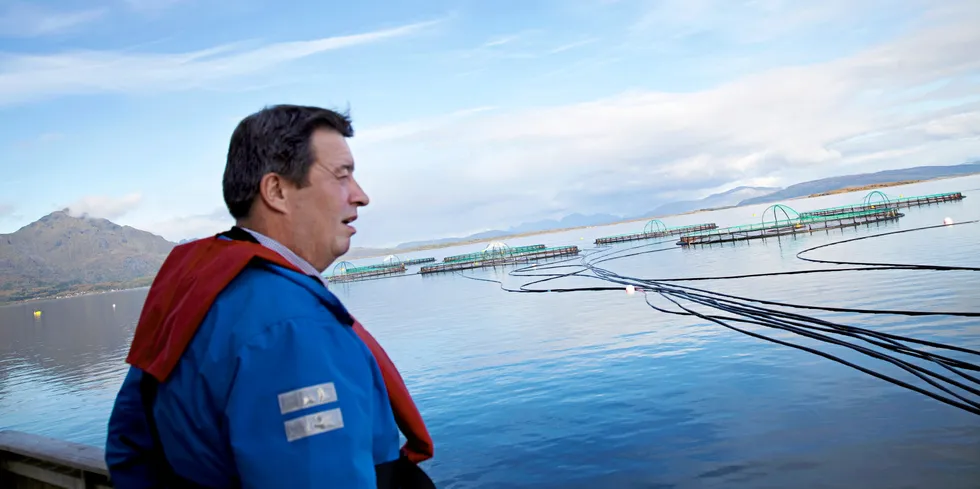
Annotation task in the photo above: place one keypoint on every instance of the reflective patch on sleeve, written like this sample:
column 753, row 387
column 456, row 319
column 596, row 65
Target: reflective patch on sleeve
column 314, row 424
column 314, row 395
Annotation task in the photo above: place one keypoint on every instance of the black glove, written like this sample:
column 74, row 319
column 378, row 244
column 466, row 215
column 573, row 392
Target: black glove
column 402, row 474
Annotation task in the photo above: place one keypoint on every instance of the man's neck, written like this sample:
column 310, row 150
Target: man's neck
column 283, row 250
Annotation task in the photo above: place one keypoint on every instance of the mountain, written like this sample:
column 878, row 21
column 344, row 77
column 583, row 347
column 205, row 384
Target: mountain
column 61, row 253
column 356, row 252
column 569, row 221
column 888, row 176
column 724, row 199
column 451, row 240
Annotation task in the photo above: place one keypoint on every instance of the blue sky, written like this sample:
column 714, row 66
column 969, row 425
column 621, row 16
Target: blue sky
column 474, row 115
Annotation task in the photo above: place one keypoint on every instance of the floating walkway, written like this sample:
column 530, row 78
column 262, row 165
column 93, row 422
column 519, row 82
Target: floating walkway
column 347, row 272
column 395, row 260
column 656, row 229
column 392, row 265
column 494, row 250
column 792, row 224
column 877, row 200
column 537, row 254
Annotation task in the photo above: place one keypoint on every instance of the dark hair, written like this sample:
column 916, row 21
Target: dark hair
column 274, row 140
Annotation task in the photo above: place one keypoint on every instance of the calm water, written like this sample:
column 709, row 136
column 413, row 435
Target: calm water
column 599, row 390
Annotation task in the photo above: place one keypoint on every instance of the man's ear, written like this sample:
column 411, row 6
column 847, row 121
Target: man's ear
column 272, row 191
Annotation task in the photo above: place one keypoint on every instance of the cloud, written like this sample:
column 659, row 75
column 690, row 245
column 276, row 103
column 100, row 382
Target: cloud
column 500, row 41
column 26, row 78
column 877, row 108
column 105, row 207
column 572, row 45
column 21, row 19
column 754, row 21
column 193, row 227
column 525, row 45
column 413, row 129
column 6, row 210
column 151, row 5
column 38, row 141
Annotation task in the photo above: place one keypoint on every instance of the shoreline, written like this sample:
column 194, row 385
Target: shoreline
column 872, row 186
column 73, row 294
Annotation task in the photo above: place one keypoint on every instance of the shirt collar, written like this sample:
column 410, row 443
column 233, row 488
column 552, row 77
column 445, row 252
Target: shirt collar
column 286, row 253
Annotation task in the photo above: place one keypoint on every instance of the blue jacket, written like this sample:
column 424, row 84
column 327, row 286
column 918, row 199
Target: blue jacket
column 274, row 390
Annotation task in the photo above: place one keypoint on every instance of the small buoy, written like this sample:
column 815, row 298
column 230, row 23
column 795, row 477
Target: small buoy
column 948, row 221
column 37, row 314
column 113, row 306
column 630, row 290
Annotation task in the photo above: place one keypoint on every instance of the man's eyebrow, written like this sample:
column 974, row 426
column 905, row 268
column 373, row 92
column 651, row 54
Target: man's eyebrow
column 340, row 167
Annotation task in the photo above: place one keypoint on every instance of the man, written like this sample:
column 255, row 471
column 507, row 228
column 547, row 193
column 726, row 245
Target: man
column 246, row 371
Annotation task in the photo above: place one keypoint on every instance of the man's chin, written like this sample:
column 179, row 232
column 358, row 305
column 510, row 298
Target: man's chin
column 342, row 246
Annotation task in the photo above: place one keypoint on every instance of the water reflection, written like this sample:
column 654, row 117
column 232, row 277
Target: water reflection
column 65, row 364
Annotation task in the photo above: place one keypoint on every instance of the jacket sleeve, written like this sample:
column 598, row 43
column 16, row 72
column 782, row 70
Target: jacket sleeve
column 304, row 409
column 129, row 448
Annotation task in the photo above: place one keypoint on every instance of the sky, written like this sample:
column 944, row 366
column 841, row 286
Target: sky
column 475, row 115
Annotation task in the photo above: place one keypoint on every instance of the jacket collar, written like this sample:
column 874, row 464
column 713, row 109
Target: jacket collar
column 318, row 288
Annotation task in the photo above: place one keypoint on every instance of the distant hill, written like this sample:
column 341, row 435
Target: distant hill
column 58, row 253
column 724, row 199
column 569, row 221
column 448, row 241
column 888, row 176
column 356, row 252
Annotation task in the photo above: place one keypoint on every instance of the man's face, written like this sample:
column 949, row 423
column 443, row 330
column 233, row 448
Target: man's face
column 322, row 211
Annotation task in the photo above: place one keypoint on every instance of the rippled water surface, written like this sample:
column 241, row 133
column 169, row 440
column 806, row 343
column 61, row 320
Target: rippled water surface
column 596, row 389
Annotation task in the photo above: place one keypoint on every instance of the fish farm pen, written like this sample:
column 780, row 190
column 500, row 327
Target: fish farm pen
column 494, row 250
column 391, row 265
column 489, row 260
column 656, row 229
column 877, row 199
column 347, row 272
column 418, row 261
column 393, row 260
column 792, row 224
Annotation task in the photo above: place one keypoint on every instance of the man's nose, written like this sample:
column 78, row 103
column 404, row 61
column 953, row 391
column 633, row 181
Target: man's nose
column 358, row 196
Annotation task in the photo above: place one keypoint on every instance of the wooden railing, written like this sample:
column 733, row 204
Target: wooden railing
column 37, row 462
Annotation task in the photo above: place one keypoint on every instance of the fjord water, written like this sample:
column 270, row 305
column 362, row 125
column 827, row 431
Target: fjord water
column 596, row 389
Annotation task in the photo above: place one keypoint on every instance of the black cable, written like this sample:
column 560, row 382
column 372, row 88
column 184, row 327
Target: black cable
column 751, row 311
column 899, row 265
column 812, row 307
column 966, row 407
